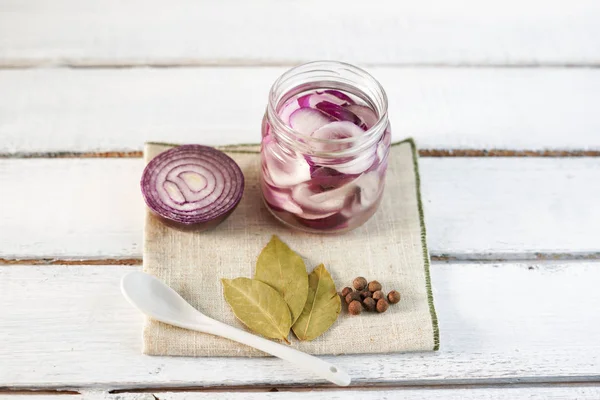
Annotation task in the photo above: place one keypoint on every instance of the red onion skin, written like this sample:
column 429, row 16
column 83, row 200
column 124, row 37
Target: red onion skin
column 340, row 113
column 198, row 227
column 340, row 95
column 333, row 96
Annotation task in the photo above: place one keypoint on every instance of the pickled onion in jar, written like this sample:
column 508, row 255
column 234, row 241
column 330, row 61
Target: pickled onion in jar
column 324, row 149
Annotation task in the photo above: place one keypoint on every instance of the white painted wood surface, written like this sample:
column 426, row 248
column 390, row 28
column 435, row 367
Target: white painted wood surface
column 444, row 108
column 533, row 324
column 506, row 32
column 538, row 393
column 70, row 327
column 474, row 207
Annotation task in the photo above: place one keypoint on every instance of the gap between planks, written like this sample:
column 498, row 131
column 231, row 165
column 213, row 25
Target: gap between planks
column 422, row 153
column 592, row 381
column 569, row 382
column 443, row 258
column 258, row 63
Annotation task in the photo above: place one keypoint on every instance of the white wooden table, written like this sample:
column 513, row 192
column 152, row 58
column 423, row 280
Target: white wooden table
column 503, row 98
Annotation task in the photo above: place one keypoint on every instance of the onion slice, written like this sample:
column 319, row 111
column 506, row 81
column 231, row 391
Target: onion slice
column 284, row 170
column 319, row 201
column 280, row 200
column 287, row 110
column 330, row 223
column 369, row 187
column 192, row 186
column 366, row 114
column 334, row 131
column 333, row 96
column 307, row 120
column 340, row 113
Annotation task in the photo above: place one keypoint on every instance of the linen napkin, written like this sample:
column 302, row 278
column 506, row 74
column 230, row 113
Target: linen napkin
column 391, row 248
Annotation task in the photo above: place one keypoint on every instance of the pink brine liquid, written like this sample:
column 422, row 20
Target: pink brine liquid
column 326, row 172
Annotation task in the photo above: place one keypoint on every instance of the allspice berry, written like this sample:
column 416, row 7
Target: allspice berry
column 393, row 297
column 352, row 296
column 369, row 304
column 378, row 295
column 365, row 294
column 382, row 305
column 345, row 291
column 360, row 283
column 354, row 307
column 374, row 286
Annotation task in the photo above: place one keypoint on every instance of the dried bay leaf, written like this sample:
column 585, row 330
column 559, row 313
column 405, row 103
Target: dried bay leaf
column 260, row 307
column 322, row 308
column 281, row 268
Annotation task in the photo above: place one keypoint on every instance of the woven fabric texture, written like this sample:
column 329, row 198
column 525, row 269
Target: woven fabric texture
column 390, row 248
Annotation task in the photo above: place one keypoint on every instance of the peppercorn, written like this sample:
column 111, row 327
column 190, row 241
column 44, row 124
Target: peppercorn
column 359, row 283
column 369, row 304
column 393, row 297
column 345, row 291
column 382, row 305
column 378, row 295
column 374, row 286
column 354, row 307
column 350, row 297
column 365, row 294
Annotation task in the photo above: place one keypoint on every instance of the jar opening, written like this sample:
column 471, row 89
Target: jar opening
column 327, row 75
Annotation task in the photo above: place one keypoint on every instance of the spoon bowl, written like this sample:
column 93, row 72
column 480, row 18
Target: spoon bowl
column 162, row 303
column 159, row 301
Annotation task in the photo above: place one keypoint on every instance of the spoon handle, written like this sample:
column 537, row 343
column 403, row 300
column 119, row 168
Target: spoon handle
column 305, row 361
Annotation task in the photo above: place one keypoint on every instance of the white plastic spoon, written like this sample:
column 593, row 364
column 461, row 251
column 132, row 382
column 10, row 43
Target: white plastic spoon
column 159, row 301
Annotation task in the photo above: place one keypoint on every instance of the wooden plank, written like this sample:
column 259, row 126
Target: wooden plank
column 498, row 208
column 499, row 393
column 481, row 208
column 405, row 394
column 69, row 327
column 76, row 209
column 443, row 108
column 136, row 32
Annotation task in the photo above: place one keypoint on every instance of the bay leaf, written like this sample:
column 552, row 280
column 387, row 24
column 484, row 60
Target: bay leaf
column 281, row 268
column 322, row 307
column 260, row 307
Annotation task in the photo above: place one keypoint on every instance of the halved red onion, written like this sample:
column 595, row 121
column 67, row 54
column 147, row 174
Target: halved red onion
column 307, row 120
column 192, row 186
column 366, row 114
column 340, row 113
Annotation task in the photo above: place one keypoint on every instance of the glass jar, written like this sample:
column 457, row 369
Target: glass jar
column 325, row 143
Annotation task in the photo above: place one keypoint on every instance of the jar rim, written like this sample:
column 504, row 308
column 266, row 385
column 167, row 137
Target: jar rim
column 336, row 67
